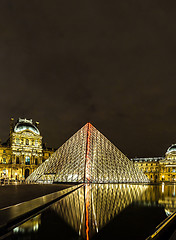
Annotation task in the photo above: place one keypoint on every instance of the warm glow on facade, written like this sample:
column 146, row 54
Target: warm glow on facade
column 23, row 152
column 161, row 168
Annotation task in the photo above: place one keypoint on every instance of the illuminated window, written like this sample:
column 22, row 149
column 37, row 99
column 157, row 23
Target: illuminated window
column 36, row 143
column 27, row 141
column 17, row 141
column 27, row 160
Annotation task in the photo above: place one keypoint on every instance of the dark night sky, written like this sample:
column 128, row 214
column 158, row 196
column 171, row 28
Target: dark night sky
column 113, row 63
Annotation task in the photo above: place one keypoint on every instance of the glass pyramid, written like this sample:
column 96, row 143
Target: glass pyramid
column 89, row 157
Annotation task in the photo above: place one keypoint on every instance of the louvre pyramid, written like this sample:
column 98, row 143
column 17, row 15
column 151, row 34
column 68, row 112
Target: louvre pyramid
column 88, row 156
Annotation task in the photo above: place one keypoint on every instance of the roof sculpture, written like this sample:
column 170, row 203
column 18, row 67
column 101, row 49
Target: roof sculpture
column 88, row 156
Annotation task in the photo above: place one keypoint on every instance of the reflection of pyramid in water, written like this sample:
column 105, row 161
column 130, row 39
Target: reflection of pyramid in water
column 88, row 209
column 88, row 156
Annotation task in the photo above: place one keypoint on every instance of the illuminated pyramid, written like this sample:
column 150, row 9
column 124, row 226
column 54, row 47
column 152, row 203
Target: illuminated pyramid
column 88, row 156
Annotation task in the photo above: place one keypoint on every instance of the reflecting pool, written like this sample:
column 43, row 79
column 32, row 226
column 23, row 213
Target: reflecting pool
column 102, row 211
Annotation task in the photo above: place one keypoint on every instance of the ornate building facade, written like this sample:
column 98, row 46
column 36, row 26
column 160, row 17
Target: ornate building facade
column 23, row 152
column 159, row 169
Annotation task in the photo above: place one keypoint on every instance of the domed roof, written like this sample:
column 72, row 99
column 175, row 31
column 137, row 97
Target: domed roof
column 172, row 148
column 24, row 124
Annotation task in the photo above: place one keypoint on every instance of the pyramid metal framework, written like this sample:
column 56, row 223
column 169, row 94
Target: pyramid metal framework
column 89, row 157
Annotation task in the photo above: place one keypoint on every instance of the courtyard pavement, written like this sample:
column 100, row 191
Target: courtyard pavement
column 14, row 194
column 25, row 201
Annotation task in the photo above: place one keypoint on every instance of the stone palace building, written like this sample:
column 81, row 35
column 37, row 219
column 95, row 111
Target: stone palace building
column 159, row 169
column 23, row 152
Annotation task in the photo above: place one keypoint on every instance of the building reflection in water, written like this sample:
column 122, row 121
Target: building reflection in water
column 160, row 195
column 88, row 209
column 169, row 200
column 91, row 207
column 31, row 225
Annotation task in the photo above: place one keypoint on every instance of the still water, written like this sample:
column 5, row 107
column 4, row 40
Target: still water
column 102, row 211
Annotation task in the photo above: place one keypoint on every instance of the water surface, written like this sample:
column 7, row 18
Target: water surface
column 102, row 211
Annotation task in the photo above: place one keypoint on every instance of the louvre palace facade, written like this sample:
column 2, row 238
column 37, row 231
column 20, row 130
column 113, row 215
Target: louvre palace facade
column 23, row 151
column 159, row 169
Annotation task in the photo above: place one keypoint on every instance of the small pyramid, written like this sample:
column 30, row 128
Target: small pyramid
column 88, row 156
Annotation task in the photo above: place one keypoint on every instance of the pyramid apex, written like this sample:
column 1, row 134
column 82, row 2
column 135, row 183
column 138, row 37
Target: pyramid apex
column 89, row 123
